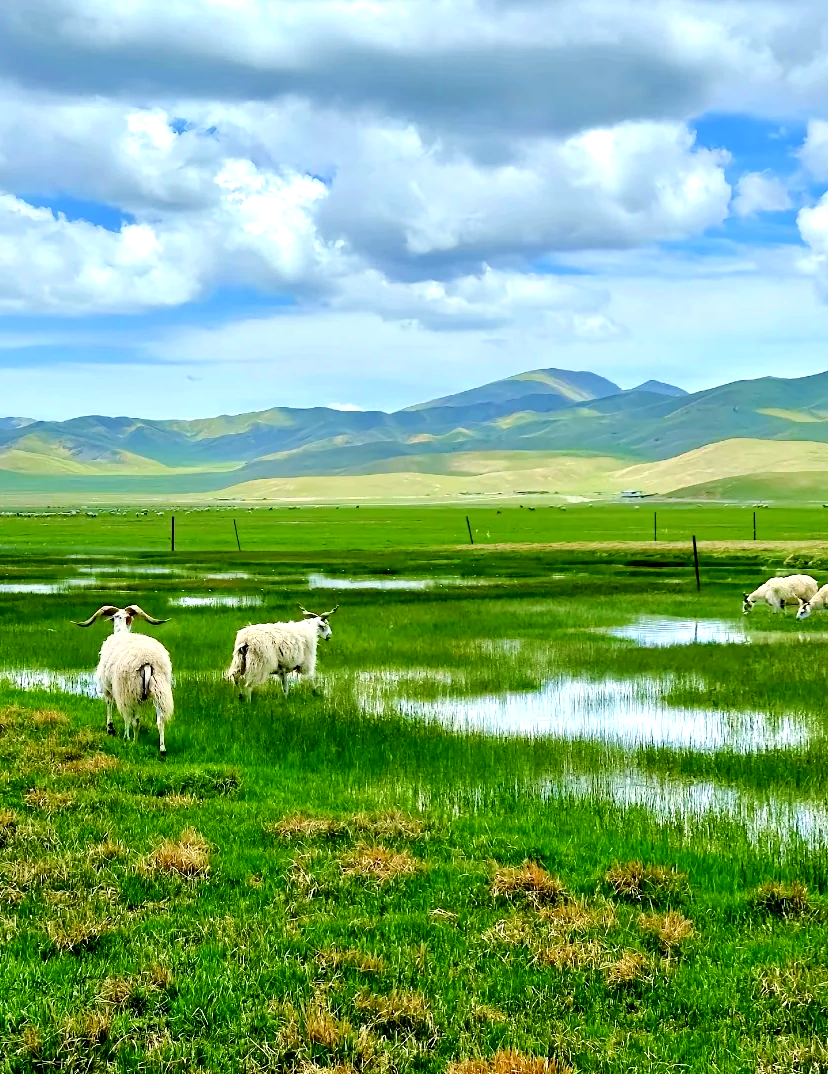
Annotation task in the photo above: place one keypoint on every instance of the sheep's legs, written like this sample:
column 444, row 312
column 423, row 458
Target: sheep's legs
column 246, row 694
column 285, row 687
column 110, row 726
column 159, row 719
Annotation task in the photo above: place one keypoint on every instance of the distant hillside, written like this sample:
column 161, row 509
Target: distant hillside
column 530, row 415
column 566, row 385
column 659, row 388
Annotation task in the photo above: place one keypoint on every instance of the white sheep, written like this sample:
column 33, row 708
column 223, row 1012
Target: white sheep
column 777, row 592
column 266, row 649
column 133, row 669
column 816, row 603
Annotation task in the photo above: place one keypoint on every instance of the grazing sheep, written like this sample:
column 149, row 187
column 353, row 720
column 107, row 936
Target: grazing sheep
column 133, row 669
column 815, row 604
column 777, row 592
column 267, row 649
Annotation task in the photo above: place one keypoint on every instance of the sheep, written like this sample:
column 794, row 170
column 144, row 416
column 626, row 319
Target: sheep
column 266, row 649
column 133, row 669
column 777, row 592
column 816, row 603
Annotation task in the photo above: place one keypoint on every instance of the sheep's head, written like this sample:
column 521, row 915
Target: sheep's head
column 747, row 603
column 804, row 609
column 122, row 618
column 323, row 627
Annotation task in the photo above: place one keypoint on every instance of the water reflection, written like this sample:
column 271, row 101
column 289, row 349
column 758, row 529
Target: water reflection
column 662, row 631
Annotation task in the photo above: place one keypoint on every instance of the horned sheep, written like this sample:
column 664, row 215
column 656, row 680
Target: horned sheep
column 133, row 669
column 777, row 592
column 266, row 649
column 816, row 603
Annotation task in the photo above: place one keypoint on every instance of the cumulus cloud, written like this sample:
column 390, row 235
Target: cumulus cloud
column 759, row 192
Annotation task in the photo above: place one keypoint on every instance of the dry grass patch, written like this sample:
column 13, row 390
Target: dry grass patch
column 9, row 717
column 530, row 880
column 630, row 969
column 670, row 930
column 108, row 850
column 567, row 955
column 137, row 992
column 8, row 826
column 78, row 929
column 792, row 1055
column 508, row 1062
column 93, row 765
column 322, row 1027
column 48, row 718
column 390, row 825
column 794, row 988
column 350, row 959
column 85, row 1031
column 398, row 1011
column 782, row 900
column 514, row 930
column 577, row 916
column 49, row 801
column 636, row 882
column 188, row 856
column 299, row 826
column 379, row 863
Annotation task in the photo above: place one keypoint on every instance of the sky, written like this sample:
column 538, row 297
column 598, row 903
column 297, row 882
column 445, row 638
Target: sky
column 216, row 206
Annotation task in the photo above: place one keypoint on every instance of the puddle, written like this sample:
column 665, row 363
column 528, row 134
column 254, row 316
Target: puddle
column 321, row 581
column 657, row 632
column 126, row 568
column 627, row 713
column 226, row 576
column 46, row 588
column 65, row 682
column 675, row 801
column 216, row 602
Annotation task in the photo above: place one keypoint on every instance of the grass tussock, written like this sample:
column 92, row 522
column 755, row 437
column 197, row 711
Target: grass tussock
column 48, row 718
column 379, row 863
column 138, row 992
column 781, row 900
column 508, row 1062
column 187, row 856
column 350, row 959
column 632, row 968
column 671, row 930
column 577, row 916
column 794, row 989
column 322, row 1027
column 636, row 882
column 9, row 823
column 792, row 1055
column 530, row 880
column 107, row 850
column 569, row 955
column 397, row 1012
column 93, row 765
column 79, row 928
column 391, row 824
column 49, row 801
column 301, row 826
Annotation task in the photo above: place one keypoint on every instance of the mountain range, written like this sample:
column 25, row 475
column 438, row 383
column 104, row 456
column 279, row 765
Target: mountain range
column 546, row 423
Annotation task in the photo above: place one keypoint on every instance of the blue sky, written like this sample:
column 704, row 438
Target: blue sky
column 197, row 215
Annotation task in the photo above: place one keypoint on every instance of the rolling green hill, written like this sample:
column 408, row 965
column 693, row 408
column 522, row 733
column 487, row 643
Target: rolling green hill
column 526, row 422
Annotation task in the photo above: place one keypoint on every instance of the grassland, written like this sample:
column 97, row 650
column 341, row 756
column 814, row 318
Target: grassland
column 323, row 883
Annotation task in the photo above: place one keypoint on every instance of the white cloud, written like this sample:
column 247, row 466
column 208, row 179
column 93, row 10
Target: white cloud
column 759, row 192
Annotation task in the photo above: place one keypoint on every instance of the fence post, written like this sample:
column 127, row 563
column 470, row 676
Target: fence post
column 236, row 528
column 655, row 526
column 471, row 538
column 172, row 533
column 754, row 525
column 696, row 562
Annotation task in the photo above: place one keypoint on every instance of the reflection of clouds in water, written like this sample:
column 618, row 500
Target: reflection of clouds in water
column 46, row 588
column 629, row 713
column 657, row 631
column 81, row 683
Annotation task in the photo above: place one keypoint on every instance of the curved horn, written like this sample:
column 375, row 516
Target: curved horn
column 327, row 615
column 107, row 610
column 139, row 613
column 306, row 613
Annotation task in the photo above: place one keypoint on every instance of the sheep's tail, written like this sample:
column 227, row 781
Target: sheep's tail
column 146, row 679
column 159, row 691
column 239, row 664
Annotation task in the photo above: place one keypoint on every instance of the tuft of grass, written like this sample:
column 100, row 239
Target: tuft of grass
column 632, row 968
column 85, row 1031
column 398, row 1011
column 567, row 955
column 136, row 993
column 636, row 882
column 107, row 850
column 49, row 801
column 49, row 718
column 393, row 824
column 322, row 1027
column 93, row 765
column 9, row 822
column 350, row 959
column 379, row 863
column 298, row 826
column 508, row 1062
column 187, row 856
column 528, row 879
column 577, row 916
column 781, row 900
column 78, row 929
column 670, row 930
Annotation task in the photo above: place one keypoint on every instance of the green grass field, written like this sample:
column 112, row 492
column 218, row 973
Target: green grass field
column 618, row 862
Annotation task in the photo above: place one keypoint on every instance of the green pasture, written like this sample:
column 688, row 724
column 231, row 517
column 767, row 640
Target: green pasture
column 324, row 884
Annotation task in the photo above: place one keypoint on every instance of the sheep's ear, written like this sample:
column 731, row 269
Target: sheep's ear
column 746, row 596
column 802, row 602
